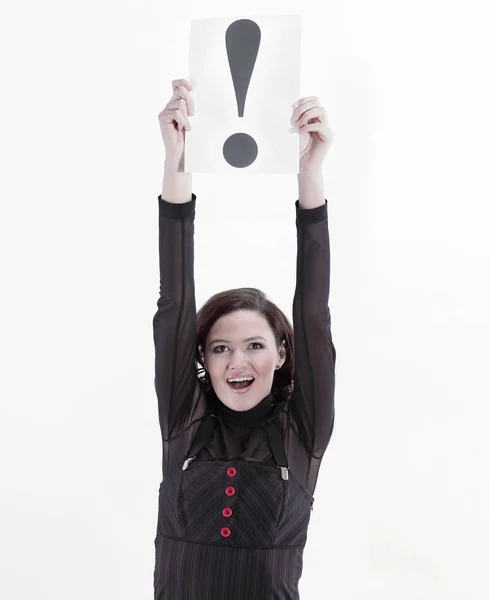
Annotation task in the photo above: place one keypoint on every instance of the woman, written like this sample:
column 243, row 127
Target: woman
column 243, row 436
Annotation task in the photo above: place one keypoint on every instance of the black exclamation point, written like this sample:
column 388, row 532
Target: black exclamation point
column 242, row 44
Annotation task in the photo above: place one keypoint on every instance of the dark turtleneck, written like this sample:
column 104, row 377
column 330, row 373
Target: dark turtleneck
column 248, row 419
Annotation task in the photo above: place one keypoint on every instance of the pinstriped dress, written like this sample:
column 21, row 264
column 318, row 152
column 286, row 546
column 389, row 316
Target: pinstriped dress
column 237, row 490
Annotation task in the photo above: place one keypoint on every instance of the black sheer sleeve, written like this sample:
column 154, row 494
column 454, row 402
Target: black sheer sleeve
column 174, row 324
column 312, row 405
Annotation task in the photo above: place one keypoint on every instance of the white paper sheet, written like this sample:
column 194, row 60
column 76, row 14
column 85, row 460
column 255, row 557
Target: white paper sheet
column 252, row 65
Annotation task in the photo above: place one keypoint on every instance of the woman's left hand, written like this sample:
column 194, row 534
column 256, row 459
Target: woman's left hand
column 315, row 135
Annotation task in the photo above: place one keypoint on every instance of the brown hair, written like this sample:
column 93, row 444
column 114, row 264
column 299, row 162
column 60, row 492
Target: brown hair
column 229, row 301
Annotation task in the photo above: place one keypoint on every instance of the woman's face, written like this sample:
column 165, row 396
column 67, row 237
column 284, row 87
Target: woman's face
column 242, row 343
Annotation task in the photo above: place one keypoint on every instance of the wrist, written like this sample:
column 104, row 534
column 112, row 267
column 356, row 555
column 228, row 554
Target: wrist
column 311, row 189
column 310, row 174
column 177, row 185
column 173, row 166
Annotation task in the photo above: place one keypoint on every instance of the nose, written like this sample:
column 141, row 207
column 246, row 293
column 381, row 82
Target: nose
column 237, row 360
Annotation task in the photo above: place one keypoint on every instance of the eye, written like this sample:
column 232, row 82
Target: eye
column 217, row 351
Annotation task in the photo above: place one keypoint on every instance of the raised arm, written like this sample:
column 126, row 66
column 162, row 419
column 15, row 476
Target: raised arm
column 315, row 354
column 174, row 324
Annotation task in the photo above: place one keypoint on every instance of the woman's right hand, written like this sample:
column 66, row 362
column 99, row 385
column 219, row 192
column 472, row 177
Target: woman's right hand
column 174, row 121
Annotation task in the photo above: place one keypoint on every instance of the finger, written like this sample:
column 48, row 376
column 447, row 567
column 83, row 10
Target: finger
column 182, row 92
column 182, row 119
column 301, row 110
column 304, row 103
column 179, row 105
column 175, row 111
column 317, row 111
column 320, row 128
column 298, row 103
column 305, row 99
column 178, row 82
column 317, row 114
column 310, row 127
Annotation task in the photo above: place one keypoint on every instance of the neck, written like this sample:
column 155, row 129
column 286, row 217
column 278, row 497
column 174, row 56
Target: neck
column 246, row 418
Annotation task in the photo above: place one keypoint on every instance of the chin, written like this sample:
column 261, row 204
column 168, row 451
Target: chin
column 242, row 404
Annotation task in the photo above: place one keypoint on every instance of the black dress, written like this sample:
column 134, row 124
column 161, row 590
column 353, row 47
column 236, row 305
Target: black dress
column 237, row 490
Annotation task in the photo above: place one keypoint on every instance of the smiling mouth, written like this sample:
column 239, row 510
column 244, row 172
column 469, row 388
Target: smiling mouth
column 241, row 386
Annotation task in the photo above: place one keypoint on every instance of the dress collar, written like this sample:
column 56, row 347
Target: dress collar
column 246, row 418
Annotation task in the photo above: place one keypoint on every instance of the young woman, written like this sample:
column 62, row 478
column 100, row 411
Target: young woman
column 244, row 435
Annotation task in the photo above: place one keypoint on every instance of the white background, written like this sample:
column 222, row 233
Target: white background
column 401, row 502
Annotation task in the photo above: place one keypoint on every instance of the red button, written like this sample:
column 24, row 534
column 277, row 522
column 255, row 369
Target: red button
column 230, row 491
column 225, row 532
column 227, row 512
column 232, row 472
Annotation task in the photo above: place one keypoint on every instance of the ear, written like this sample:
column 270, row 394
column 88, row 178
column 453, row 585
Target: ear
column 201, row 354
column 282, row 353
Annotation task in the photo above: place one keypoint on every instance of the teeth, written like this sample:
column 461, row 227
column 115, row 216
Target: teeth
column 241, row 379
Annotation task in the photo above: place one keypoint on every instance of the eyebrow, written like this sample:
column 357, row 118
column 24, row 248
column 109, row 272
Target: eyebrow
column 256, row 337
